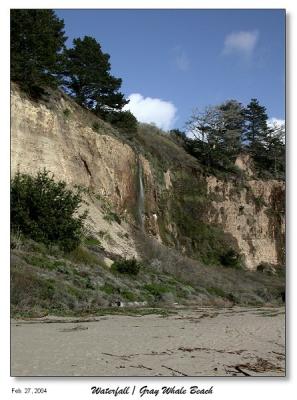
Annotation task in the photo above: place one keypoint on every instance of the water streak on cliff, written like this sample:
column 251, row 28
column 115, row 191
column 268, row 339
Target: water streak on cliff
column 141, row 208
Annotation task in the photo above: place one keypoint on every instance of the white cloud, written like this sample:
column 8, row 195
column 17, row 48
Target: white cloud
column 181, row 59
column 152, row 110
column 191, row 134
column 278, row 126
column 275, row 122
column 243, row 43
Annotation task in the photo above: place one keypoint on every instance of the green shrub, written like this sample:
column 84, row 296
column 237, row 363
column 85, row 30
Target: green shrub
column 128, row 295
column 124, row 121
column 231, row 259
column 81, row 255
column 266, row 268
column 156, row 289
column 92, row 241
column 66, row 112
column 259, row 203
column 16, row 240
column 129, row 266
column 45, row 210
column 28, row 289
column 41, row 248
column 111, row 216
column 123, row 235
column 95, row 127
column 41, row 261
column 216, row 291
column 109, row 288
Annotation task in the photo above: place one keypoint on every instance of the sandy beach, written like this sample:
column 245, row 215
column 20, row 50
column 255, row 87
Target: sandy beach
column 196, row 342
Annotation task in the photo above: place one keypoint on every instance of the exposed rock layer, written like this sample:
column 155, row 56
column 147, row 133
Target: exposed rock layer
column 61, row 137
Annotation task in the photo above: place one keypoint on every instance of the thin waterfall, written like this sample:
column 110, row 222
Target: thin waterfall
column 140, row 196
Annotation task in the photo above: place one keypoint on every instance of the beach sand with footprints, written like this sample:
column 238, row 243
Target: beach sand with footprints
column 190, row 342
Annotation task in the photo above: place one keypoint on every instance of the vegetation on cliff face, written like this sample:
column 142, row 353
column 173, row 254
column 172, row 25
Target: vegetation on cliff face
column 48, row 280
column 186, row 210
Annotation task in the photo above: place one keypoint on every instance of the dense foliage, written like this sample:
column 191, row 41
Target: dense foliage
column 231, row 258
column 124, row 121
column 88, row 79
column 128, row 266
column 220, row 133
column 45, row 210
column 37, row 40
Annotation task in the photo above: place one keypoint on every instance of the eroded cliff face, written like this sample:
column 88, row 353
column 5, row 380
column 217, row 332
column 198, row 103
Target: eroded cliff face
column 80, row 149
column 59, row 136
column 42, row 136
column 251, row 215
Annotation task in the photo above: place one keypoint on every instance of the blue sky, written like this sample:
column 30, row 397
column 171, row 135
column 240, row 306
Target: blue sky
column 173, row 61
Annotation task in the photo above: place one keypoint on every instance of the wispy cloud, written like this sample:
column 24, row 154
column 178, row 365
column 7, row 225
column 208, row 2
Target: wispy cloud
column 181, row 59
column 152, row 110
column 242, row 43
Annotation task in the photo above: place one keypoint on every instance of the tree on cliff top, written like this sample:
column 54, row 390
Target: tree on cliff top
column 256, row 128
column 88, row 80
column 232, row 119
column 37, row 40
column 217, row 134
column 264, row 143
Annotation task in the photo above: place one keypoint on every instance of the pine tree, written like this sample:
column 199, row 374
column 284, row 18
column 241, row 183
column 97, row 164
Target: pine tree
column 88, row 79
column 37, row 39
column 232, row 120
column 275, row 151
column 256, row 128
column 265, row 144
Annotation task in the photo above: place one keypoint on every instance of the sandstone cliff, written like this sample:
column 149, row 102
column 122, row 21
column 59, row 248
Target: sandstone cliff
column 181, row 206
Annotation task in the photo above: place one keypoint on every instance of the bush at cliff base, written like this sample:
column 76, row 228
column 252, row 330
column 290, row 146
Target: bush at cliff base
column 45, row 210
column 128, row 266
column 231, row 259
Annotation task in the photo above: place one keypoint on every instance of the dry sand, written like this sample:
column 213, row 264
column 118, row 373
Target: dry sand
column 196, row 342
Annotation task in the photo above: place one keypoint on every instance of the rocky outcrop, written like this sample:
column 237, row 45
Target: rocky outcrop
column 244, row 162
column 250, row 215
